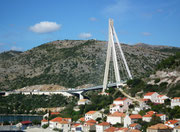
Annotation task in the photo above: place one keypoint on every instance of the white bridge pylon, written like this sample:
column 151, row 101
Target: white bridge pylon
column 112, row 51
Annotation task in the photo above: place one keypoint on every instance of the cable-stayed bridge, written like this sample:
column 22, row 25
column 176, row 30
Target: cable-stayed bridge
column 115, row 65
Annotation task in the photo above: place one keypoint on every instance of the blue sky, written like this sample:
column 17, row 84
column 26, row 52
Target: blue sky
column 25, row 24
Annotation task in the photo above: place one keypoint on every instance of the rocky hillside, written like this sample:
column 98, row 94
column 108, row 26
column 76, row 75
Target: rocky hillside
column 71, row 63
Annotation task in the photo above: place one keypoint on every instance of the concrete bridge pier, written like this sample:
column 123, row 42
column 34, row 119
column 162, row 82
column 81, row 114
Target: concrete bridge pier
column 79, row 94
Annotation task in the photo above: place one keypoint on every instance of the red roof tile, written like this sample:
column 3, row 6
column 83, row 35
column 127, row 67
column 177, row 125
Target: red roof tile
column 90, row 112
column 104, row 124
column 77, row 124
column 135, row 116
column 149, row 93
column 161, row 95
column 82, row 119
column 176, row 98
column 44, row 120
column 55, row 113
column 147, row 115
column 120, row 99
column 151, row 112
column 160, row 115
column 57, row 119
column 171, row 122
column 133, row 125
column 118, row 114
column 111, row 129
column 91, row 121
column 159, row 126
column 63, row 122
column 26, row 122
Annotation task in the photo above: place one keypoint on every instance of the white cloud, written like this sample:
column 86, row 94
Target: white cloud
column 146, row 34
column 85, row 35
column 45, row 27
column 92, row 19
column 16, row 48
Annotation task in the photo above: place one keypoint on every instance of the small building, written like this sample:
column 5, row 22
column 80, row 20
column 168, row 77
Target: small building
column 162, row 117
column 120, row 104
column 92, row 115
column 147, row 117
column 116, row 117
column 143, row 104
column 175, row 102
column 151, row 95
column 24, row 124
column 135, row 126
column 160, row 99
column 61, row 123
column 159, row 128
column 131, row 119
column 43, row 122
column 172, row 123
column 82, row 119
column 135, row 117
column 77, row 127
column 102, row 126
column 89, row 125
column 64, row 125
column 177, row 129
column 54, row 122
column 84, row 101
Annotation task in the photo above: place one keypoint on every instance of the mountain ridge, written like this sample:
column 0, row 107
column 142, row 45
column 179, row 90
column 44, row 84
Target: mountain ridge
column 71, row 63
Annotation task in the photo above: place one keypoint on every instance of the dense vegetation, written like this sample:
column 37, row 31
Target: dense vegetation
column 27, row 104
column 171, row 62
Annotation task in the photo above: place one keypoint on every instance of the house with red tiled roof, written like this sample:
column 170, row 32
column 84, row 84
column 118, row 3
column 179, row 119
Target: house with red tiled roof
column 135, row 117
column 61, row 123
column 135, row 126
column 162, row 117
column 116, row 117
column 151, row 96
column 54, row 122
column 172, row 123
column 43, row 122
column 102, row 126
column 177, row 129
column 82, row 119
column 131, row 119
column 148, row 117
column 120, row 104
column 92, row 115
column 159, row 128
column 77, row 127
column 64, row 125
column 175, row 102
column 89, row 125
column 160, row 99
